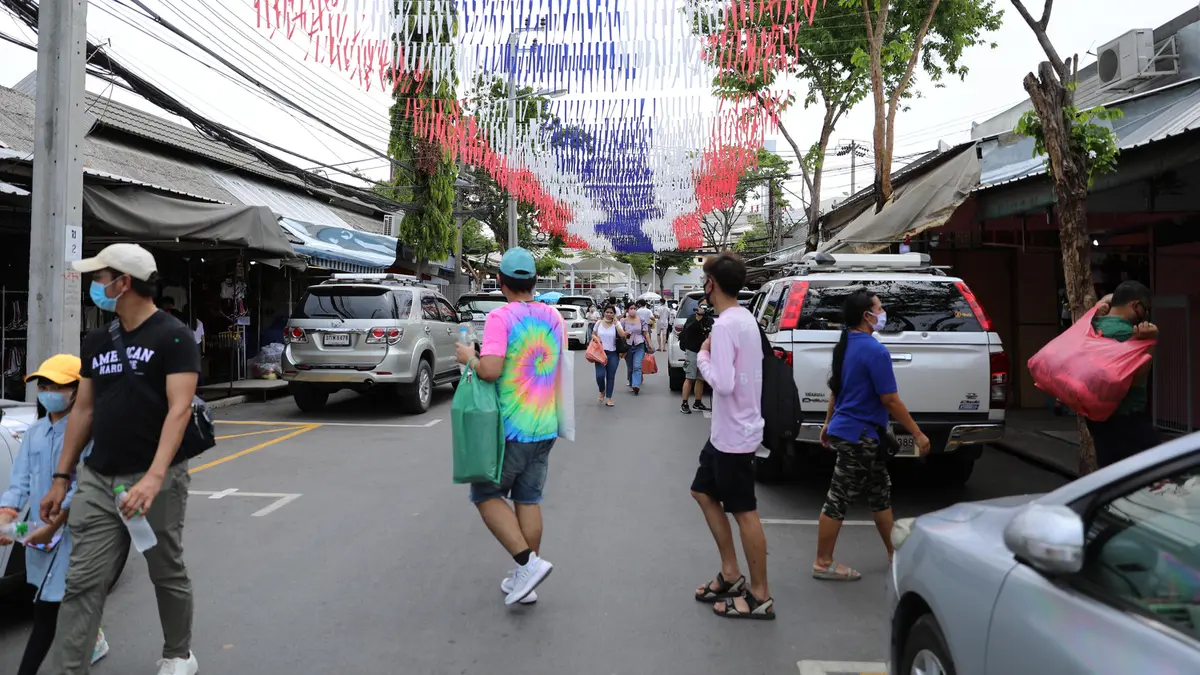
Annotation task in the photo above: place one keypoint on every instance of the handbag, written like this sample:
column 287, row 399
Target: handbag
column 476, row 430
column 200, row 434
column 889, row 447
column 622, row 344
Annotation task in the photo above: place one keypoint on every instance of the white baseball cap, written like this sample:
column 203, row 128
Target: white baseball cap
column 129, row 259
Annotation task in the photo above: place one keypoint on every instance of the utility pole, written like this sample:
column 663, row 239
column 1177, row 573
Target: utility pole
column 855, row 149
column 512, row 132
column 56, row 223
column 771, row 214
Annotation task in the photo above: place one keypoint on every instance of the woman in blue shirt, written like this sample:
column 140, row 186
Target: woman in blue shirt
column 47, row 549
column 862, row 395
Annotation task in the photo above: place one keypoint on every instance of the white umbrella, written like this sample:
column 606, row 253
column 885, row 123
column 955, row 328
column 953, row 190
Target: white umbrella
column 650, row 297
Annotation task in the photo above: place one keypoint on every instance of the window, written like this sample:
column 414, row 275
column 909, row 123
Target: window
column 403, row 303
column 772, row 308
column 481, row 304
column 446, row 311
column 351, row 302
column 1143, row 550
column 429, row 308
column 912, row 305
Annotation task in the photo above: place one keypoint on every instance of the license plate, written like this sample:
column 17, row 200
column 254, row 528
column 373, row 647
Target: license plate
column 908, row 448
column 337, row 339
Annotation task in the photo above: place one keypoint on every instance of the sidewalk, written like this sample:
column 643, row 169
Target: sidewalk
column 1043, row 439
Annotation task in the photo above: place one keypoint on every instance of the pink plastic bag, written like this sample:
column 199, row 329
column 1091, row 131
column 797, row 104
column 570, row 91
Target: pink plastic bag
column 1089, row 372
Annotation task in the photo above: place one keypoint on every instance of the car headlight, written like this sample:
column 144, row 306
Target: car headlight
column 900, row 531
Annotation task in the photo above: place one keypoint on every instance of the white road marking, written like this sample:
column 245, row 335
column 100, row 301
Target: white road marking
column 282, row 499
column 841, row 667
column 788, row 521
column 707, row 415
column 379, row 425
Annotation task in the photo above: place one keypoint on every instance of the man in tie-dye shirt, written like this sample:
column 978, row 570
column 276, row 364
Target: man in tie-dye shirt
column 523, row 344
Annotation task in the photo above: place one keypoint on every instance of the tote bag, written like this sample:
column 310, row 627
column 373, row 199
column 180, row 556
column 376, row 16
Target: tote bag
column 477, row 430
column 564, row 395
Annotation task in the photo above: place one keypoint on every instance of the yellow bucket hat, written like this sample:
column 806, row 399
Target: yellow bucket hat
column 59, row 369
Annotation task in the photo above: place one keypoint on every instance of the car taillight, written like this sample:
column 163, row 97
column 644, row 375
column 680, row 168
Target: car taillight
column 577, row 325
column 296, row 336
column 999, row 379
column 795, row 304
column 378, row 336
column 984, row 323
column 783, row 354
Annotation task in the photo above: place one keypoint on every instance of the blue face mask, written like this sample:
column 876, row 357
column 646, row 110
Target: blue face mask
column 54, row 401
column 100, row 299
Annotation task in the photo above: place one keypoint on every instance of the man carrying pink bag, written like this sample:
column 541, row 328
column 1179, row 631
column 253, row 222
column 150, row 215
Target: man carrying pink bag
column 1099, row 367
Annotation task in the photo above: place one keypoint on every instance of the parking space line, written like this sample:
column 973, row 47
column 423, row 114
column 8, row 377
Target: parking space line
column 273, row 430
column 260, row 424
column 841, row 668
column 282, row 499
column 788, row 521
column 260, row 446
column 381, row 425
column 223, row 493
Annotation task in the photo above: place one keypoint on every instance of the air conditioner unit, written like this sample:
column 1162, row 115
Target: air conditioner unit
column 1131, row 59
column 391, row 224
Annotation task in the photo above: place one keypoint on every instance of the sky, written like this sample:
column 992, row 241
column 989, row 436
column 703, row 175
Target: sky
column 992, row 85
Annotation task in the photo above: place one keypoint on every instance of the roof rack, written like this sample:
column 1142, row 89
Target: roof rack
column 385, row 279
column 817, row 262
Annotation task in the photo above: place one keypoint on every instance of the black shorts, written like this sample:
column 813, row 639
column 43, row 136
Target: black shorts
column 727, row 478
column 1122, row 436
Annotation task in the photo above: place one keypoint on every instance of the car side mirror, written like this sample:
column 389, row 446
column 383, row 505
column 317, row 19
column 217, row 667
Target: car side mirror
column 1048, row 538
column 466, row 316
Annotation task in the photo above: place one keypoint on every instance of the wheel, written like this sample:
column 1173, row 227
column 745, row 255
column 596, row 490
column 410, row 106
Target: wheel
column 951, row 470
column 308, row 398
column 676, row 377
column 926, row 651
column 416, row 397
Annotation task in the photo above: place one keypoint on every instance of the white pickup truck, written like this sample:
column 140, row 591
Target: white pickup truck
column 950, row 366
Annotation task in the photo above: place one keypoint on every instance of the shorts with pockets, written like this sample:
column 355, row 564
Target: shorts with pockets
column 691, row 371
column 858, row 469
column 522, row 477
column 728, row 478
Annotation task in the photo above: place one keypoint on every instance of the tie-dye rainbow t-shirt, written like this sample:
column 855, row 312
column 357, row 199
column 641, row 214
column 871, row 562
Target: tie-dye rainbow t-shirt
column 529, row 335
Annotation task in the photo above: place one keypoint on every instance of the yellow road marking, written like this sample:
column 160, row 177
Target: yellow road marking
column 260, row 446
column 261, row 424
column 275, row 430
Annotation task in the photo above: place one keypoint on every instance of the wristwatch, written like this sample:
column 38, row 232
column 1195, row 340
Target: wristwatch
column 65, row 476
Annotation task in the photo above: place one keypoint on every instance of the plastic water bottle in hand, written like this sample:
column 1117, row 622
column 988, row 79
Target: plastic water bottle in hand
column 139, row 530
column 464, row 335
column 18, row 531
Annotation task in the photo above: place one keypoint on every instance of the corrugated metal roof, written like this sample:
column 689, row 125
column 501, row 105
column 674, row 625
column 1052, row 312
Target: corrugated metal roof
column 10, row 189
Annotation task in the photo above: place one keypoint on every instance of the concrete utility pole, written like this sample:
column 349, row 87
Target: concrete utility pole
column 771, row 214
column 56, row 228
column 855, row 149
column 512, row 132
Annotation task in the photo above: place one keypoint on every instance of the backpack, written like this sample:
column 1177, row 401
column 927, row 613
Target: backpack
column 781, row 410
column 200, row 433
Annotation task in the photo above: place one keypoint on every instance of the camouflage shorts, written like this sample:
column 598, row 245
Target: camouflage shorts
column 857, row 470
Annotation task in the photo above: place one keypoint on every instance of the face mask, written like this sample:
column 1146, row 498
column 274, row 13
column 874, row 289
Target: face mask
column 54, row 401
column 96, row 292
column 880, row 320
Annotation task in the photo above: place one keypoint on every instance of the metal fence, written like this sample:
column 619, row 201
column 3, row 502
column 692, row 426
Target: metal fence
column 1172, row 386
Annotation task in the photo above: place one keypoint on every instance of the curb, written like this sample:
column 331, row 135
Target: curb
column 240, row 399
column 1036, row 459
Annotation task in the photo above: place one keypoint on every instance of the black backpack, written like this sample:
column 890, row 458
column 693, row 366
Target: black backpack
column 781, row 410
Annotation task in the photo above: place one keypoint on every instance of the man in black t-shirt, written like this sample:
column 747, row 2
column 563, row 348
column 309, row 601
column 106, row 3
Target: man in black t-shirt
column 136, row 422
column 695, row 331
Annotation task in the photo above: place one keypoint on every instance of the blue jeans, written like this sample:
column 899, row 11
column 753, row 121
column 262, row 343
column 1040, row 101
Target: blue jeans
column 523, row 475
column 633, row 359
column 606, row 374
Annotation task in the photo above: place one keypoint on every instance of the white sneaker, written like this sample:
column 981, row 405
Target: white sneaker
column 527, row 577
column 101, row 649
column 186, row 666
column 506, row 586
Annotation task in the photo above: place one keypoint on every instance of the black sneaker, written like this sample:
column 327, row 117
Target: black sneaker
column 685, row 409
column 699, row 405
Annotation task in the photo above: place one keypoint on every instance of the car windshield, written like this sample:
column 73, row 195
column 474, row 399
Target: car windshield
column 568, row 312
column 933, row 306
column 353, row 302
column 483, row 305
column 577, row 302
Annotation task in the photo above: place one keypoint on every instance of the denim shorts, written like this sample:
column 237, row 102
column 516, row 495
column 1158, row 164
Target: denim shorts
column 522, row 477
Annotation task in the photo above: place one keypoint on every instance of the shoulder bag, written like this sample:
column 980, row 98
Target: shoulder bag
column 200, row 433
column 621, row 342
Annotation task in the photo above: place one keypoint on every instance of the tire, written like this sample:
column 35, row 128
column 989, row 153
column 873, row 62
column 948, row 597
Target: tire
column 416, row 398
column 308, row 398
column 926, row 648
column 951, row 470
column 676, row 377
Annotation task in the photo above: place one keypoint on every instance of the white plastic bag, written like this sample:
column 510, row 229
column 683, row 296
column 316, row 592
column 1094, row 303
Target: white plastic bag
column 564, row 395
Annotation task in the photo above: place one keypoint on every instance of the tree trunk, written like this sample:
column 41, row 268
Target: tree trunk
column 1069, row 172
column 875, row 35
column 814, row 230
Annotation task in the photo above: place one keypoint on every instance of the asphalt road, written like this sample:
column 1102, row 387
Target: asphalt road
column 336, row 543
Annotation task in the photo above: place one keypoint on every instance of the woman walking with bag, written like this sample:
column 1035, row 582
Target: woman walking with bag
column 605, row 334
column 862, row 394
column 636, row 330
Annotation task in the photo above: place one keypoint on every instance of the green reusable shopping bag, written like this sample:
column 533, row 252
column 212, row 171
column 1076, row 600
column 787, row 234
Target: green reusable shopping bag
column 478, row 430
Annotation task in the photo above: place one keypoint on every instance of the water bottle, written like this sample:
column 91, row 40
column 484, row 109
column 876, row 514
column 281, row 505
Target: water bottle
column 464, row 335
column 18, row 531
column 139, row 530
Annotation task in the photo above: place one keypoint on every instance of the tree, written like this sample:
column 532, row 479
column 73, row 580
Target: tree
column 665, row 261
column 1076, row 150
column 474, row 241
column 901, row 33
column 755, row 242
column 718, row 223
column 640, row 262
column 429, row 228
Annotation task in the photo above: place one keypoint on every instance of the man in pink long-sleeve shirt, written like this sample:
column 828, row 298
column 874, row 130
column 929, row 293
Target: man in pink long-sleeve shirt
column 731, row 363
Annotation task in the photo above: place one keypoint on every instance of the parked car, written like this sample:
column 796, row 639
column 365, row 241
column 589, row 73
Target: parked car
column 687, row 308
column 15, row 418
column 950, row 365
column 578, row 330
column 583, row 302
column 479, row 305
column 364, row 332
column 1099, row 577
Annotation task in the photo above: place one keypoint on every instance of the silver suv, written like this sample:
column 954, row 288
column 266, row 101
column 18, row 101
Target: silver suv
column 366, row 331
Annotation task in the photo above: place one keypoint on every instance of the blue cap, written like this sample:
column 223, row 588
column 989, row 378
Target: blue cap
column 518, row 263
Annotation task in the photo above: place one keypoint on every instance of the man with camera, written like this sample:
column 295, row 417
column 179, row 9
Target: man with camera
column 694, row 333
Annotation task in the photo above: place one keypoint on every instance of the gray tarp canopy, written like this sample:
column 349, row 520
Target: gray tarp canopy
column 153, row 217
column 921, row 203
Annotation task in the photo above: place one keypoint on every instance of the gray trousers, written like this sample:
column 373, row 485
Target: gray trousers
column 100, row 539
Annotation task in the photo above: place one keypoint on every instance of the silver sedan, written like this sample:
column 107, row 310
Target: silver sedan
column 1099, row 577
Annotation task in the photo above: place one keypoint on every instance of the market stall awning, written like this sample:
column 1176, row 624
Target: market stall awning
column 152, row 217
column 922, row 202
column 341, row 248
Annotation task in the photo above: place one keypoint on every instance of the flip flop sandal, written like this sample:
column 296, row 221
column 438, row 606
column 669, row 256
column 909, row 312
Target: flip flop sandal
column 831, row 574
column 759, row 611
column 727, row 589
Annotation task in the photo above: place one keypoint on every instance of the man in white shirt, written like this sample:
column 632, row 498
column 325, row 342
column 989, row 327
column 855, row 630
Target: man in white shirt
column 662, row 330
